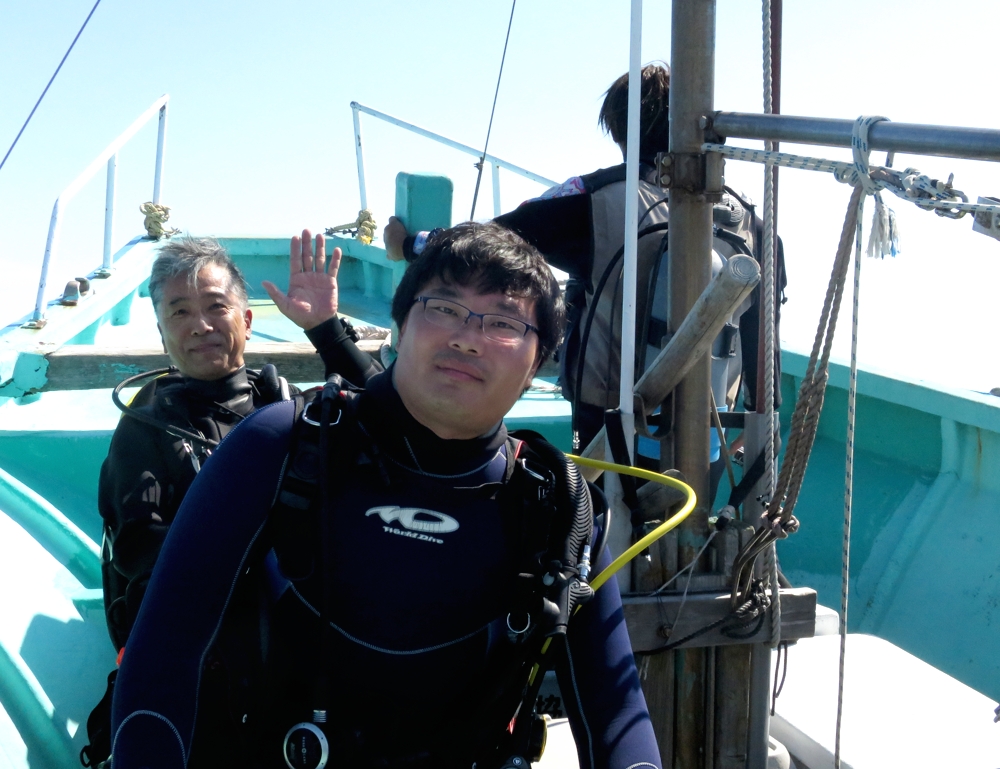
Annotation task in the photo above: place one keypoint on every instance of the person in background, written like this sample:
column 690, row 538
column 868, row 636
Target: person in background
column 579, row 226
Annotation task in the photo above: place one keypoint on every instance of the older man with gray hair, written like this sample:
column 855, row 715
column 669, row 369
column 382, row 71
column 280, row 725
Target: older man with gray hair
column 175, row 421
column 203, row 315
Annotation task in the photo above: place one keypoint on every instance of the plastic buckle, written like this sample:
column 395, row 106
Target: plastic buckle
column 315, row 423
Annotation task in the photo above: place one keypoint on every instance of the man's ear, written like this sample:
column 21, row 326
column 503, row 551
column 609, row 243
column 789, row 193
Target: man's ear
column 162, row 340
column 248, row 319
column 532, row 371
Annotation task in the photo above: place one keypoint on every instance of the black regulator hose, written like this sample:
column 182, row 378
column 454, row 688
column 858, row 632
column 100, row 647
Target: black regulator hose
column 600, row 502
column 139, row 416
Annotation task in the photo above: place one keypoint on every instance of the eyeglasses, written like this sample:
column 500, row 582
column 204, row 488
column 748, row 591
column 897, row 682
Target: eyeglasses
column 452, row 315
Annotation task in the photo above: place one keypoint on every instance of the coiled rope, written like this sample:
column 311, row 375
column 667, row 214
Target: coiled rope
column 363, row 228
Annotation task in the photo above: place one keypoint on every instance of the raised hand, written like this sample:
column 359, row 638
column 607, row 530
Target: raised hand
column 312, row 283
column 392, row 237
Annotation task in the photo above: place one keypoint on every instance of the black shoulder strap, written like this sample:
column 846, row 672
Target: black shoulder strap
column 294, row 515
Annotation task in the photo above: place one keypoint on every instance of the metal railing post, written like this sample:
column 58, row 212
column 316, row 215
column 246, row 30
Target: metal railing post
column 161, row 142
column 109, row 157
column 496, row 189
column 109, row 210
column 476, row 153
column 361, row 158
column 51, row 243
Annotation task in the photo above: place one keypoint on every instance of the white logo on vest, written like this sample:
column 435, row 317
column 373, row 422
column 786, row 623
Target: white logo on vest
column 416, row 519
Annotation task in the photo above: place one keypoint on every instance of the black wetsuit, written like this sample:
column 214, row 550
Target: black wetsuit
column 421, row 576
column 148, row 472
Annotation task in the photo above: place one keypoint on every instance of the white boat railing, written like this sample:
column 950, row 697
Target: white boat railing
column 109, row 156
column 495, row 163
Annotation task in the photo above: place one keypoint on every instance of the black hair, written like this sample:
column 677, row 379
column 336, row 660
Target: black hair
column 654, row 105
column 493, row 259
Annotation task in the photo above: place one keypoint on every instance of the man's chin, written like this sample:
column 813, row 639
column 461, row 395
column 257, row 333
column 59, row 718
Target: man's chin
column 208, row 372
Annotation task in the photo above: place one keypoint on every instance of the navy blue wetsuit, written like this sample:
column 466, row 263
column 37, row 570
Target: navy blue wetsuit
column 421, row 576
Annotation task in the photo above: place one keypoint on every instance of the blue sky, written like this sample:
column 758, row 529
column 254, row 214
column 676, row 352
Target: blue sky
column 260, row 129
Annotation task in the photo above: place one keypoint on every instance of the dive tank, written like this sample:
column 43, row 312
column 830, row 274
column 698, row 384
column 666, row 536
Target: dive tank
column 726, row 357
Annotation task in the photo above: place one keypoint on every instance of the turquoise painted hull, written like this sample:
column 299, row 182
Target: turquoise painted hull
column 925, row 545
column 925, row 534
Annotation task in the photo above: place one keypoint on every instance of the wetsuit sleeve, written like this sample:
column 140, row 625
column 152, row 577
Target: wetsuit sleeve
column 136, row 497
column 340, row 354
column 211, row 542
column 560, row 228
column 600, row 687
column 408, row 253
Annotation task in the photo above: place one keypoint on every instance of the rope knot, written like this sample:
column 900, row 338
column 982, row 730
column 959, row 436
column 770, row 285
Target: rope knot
column 778, row 525
column 771, row 519
column 861, row 150
column 884, row 238
column 363, row 228
column 156, row 216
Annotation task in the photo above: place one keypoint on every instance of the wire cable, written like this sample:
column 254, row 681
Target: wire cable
column 65, row 55
column 482, row 160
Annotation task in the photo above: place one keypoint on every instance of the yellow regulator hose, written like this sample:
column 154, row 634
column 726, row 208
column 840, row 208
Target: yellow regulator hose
column 655, row 534
column 671, row 523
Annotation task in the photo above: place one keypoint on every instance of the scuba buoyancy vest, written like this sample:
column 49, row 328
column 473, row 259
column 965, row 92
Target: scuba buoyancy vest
column 597, row 332
column 542, row 493
column 190, row 418
column 601, row 351
column 583, row 234
column 545, row 513
column 732, row 234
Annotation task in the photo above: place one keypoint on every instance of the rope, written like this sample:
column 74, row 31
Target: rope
column 156, row 217
column 770, row 556
column 778, row 516
column 363, row 228
column 736, row 624
column 861, row 158
column 909, row 184
column 482, row 160
column 780, row 663
column 48, row 85
column 805, row 418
